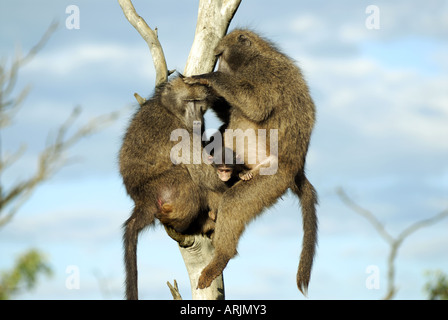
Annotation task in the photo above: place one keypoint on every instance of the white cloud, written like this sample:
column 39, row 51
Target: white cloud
column 429, row 18
column 93, row 57
column 382, row 102
column 306, row 22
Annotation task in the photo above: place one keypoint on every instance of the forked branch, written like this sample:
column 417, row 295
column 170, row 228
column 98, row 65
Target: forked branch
column 394, row 242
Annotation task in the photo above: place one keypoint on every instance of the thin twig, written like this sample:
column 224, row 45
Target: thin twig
column 379, row 227
column 423, row 223
column 8, row 79
column 50, row 160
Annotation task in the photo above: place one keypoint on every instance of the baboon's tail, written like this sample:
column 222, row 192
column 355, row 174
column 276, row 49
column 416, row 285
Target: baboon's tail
column 308, row 200
column 132, row 227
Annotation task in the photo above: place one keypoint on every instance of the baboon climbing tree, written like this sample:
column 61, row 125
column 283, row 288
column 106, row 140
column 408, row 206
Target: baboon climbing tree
column 213, row 21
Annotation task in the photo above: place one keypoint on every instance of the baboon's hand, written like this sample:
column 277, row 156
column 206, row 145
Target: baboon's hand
column 208, row 226
column 196, row 80
column 246, row 175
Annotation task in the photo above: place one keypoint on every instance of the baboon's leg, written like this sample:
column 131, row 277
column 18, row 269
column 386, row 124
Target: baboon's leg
column 240, row 205
column 179, row 206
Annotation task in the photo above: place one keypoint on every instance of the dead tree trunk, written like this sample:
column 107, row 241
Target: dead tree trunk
column 213, row 21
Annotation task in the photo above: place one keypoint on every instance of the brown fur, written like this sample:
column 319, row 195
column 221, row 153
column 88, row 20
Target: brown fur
column 179, row 195
column 265, row 91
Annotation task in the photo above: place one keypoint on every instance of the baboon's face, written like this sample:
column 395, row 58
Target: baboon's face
column 234, row 50
column 178, row 93
column 224, row 173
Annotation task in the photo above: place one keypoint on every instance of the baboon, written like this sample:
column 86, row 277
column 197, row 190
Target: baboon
column 229, row 171
column 265, row 90
column 176, row 194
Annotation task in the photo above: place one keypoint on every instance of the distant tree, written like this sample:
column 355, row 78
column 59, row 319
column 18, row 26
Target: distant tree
column 437, row 286
column 23, row 276
column 394, row 242
column 52, row 158
column 30, row 264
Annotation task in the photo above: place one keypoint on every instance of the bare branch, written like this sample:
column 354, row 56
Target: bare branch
column 8, row 79
column 197, row 252
column 10, row 159
column 51, row 159
column 150, row 36
column 8, row 108
column 379, row 227
column 423, row 223
column 196, row 258
column 42, row 42
column 214, row 18
column 21, row 61
column 394, row 243
column 228, row 9
column 139, row 99
column 174, row 290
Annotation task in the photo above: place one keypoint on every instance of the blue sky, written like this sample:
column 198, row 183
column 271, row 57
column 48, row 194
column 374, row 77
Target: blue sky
column 381, row 134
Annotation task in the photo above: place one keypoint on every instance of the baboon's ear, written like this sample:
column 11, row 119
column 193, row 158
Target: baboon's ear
column 243, row 39
column 166, row 89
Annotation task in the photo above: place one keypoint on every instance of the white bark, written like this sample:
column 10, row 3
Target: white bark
column 214, row 17
column 196, row 258
column 213, row 21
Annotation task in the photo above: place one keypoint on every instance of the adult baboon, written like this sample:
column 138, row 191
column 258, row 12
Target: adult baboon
column 179, row 195
column 265, row 90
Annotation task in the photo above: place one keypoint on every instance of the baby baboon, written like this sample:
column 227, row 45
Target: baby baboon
column 159, row 188
column 229, row 171
column 265, row 91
